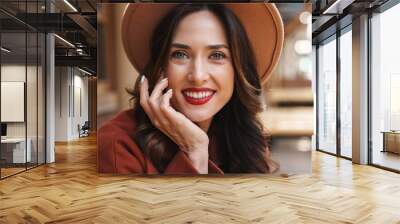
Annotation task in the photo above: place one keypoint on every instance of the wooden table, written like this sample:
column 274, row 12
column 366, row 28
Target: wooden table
column 13, row 150
column 391, row 141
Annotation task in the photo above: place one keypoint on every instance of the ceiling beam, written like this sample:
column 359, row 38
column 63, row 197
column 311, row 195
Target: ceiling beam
column 83, row 61
column 337, row 7
column 84, row 24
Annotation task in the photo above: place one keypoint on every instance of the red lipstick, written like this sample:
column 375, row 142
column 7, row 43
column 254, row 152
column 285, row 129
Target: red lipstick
column 198, row 96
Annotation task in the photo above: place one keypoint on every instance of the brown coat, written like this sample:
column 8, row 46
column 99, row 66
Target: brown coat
column 118, row 152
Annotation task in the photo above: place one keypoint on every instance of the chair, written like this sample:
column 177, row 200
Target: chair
column 84, row 130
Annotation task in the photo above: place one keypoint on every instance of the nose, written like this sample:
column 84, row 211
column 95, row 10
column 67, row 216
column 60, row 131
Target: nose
column 198, row 73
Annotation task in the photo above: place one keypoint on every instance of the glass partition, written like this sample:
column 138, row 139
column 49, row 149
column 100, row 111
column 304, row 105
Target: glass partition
column 31, row 98
column 346, row 94
column 385, row 89
column 327, row 96
column 41, row 96
column 13, row 105
column 22, row 87
column 33, row 88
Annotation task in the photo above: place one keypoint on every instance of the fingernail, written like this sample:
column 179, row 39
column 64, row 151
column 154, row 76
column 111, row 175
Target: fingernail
column 142, row 79
column 169, row 91
column 164, row 79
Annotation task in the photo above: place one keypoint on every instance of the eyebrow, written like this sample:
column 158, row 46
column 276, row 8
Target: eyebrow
column 184, row 46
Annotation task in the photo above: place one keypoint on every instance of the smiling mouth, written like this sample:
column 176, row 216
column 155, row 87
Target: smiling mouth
column 198, row 96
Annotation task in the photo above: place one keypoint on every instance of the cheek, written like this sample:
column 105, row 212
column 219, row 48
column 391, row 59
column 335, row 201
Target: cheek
column 173, row 82
column 176, row 81
column 176, row 76
column 229, row 87
column 226, row 79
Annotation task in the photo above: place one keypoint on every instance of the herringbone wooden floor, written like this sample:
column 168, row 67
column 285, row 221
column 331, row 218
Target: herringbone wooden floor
column 70, row 191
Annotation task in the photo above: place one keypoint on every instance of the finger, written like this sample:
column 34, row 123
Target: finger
column 165, row 105
column 173, row 116
column 144, row 96
column 160, row 111
column 154, row 102
column 157, row 91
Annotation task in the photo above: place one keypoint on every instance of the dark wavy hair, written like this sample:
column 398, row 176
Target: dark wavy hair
column 242, row 144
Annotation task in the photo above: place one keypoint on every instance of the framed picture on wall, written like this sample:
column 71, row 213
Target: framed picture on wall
column 12, row 101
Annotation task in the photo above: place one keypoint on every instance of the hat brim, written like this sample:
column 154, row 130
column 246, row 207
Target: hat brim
column 262, row 22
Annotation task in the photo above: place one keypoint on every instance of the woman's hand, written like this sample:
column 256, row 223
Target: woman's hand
column 188, row 136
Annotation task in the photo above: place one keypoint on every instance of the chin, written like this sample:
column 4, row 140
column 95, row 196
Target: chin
column 198, row 116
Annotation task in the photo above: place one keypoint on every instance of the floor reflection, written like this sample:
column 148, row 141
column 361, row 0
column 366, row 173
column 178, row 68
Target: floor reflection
column 387, row 159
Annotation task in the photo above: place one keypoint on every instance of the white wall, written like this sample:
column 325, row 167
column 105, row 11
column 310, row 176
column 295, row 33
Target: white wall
column 12, row 73
column 71, row 93
column 61, row 103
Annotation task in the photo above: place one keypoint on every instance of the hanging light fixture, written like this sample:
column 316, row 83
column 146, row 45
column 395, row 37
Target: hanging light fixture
column 5, row 50
column 70, row 5
column 64, row 40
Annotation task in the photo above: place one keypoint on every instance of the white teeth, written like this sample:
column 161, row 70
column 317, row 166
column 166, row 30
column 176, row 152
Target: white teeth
column 198, row 95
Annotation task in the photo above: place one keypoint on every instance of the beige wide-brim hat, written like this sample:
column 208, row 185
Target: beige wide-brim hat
column 262, row 22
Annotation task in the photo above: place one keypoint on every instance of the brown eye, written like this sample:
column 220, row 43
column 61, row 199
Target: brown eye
column 217, row 56
column 179, row 55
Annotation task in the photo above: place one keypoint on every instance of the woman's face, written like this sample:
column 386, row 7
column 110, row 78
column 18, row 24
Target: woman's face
column 199, row 67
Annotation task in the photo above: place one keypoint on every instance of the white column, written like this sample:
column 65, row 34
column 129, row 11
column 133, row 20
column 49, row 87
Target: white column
column 50, row 107
column 360, row 90
column 50, row 92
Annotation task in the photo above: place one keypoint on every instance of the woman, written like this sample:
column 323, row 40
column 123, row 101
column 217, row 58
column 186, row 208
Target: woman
column 198, row 98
